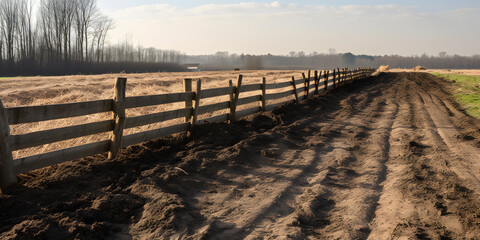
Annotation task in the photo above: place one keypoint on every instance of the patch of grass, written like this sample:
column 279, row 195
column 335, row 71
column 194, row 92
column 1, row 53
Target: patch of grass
column 466, row 90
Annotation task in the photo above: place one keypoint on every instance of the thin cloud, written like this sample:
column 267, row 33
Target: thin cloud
column 276, row 27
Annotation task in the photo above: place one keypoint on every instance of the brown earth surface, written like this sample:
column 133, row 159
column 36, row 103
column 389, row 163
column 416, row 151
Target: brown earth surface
column 388, row 157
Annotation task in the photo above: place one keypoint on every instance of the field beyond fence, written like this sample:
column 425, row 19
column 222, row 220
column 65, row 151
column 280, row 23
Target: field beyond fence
column 254, row 96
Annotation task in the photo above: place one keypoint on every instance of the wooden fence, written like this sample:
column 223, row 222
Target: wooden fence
column 9, row 167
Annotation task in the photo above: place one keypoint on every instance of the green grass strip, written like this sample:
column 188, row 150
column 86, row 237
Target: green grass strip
column 466, row 90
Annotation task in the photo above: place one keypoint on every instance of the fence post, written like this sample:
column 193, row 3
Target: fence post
column 308, row 87
column 264, row 93
column 325, row 80
column 305, row 84
column 118, row 117
column 335, row 85
column 316, row 81
column 233, row 104
column 198, row 95
column 7, row 172
column 187, row 86
column 339, row 77
column 294, row 89
column 232, row 92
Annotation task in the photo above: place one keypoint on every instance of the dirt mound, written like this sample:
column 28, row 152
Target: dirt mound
column 384, row 68
column 419, row 68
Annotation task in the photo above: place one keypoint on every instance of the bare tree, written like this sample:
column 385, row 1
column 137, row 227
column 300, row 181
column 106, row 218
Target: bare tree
column 27, row 33
column 47, row 36
column 86, row 11
column 332, row 51
column 9, row 19
column 102, row 26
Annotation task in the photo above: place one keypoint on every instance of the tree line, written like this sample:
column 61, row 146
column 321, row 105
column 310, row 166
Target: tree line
column 51, row 37
column 315, row 60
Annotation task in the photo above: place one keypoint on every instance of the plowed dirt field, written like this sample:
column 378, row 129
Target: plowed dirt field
column 388, row 157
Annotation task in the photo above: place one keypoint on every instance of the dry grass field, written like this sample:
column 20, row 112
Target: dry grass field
column 29, row 91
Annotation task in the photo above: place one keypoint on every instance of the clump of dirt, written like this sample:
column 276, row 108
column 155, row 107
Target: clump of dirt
column 384, row 68
column 263, row 122
column 419, row 68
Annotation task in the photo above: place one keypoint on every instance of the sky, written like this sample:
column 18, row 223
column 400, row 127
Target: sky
column 278, row 27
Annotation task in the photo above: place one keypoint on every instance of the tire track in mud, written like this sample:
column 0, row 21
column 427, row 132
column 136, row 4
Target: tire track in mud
column 423, row 197
column 355, row 183
column 280, row 212
column 312, row 200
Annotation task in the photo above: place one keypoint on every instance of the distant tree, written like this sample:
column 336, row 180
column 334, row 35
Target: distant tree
column 442, row 54
column 221, row 54
column 349, row 59
column 253, row 62
column 292, row 54
column 301, row 54
column 332, row 51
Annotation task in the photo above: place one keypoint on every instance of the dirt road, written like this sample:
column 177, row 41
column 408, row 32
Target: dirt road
column 390, row 157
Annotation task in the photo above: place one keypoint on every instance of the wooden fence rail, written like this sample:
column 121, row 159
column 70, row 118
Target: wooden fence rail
column 299, row 89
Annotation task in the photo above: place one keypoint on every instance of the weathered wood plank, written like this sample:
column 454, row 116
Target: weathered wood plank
column 151, row 100
column 219, row 118
column 7, row 173
column 119, row 117
column 273, row 96
column 187, row 87
column 251, row 87
column 26, row 164
column 140, row 137
column 198, row 96
column 18, row 115
column 307, row 81
column 233, row 105
column 232, row 93
column 215, row 92
column 295, row 89
column 247, row 100
column 335, row 85
column 339, row 76
column 213, row 107
column 59, row 134
column 325, row 81
column 249, row 111
column 156, row 117
column 309, row 78
column 264, row 93
column 278, row 85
